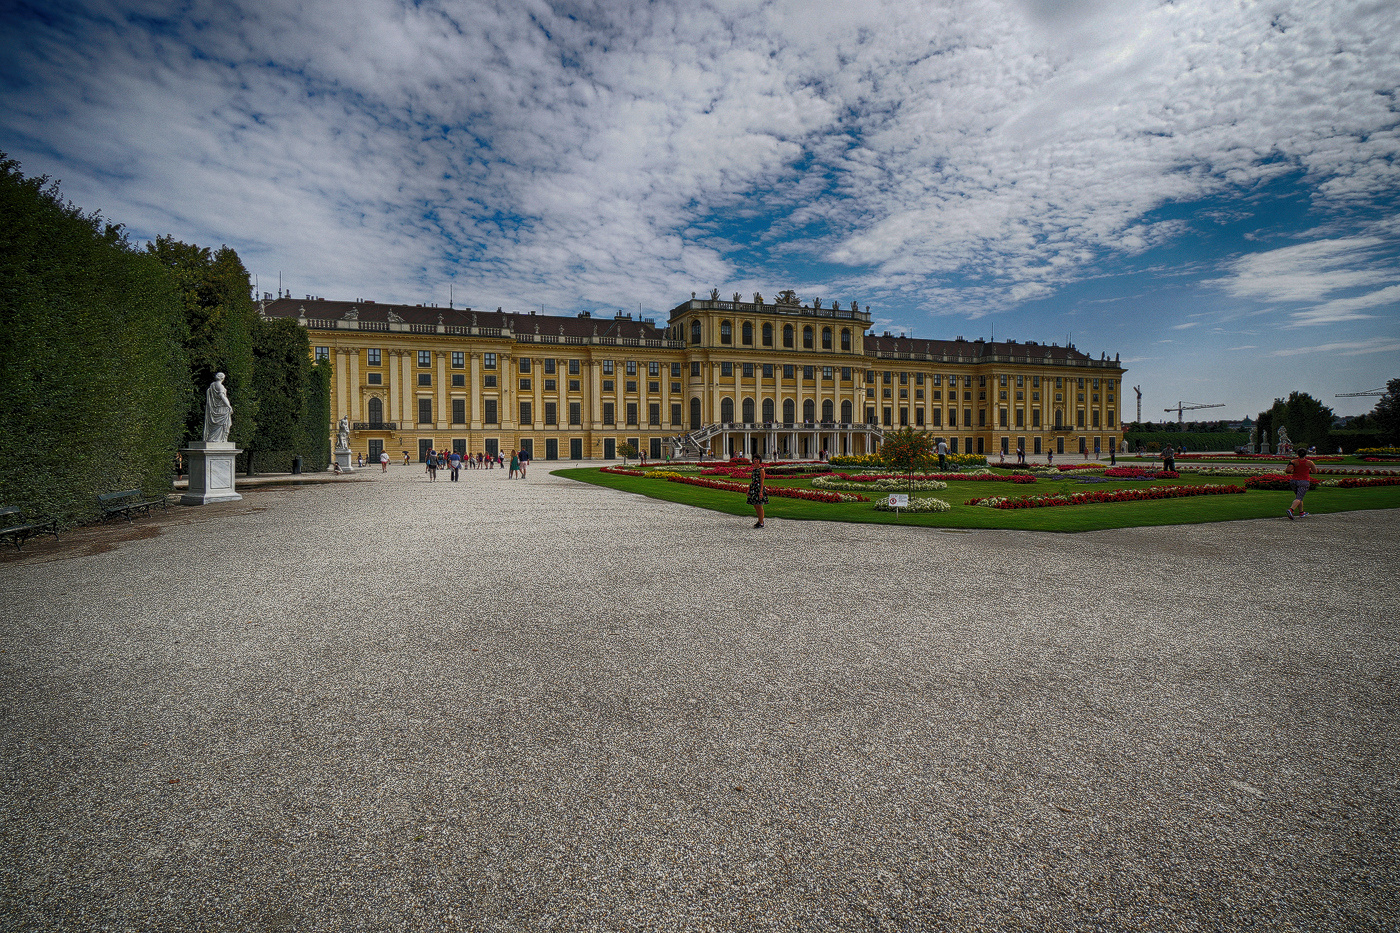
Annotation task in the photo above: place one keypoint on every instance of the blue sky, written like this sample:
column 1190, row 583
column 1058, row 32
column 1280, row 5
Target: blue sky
column 1209, row 189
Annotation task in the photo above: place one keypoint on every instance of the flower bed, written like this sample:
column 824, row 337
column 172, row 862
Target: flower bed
column 622, row 471
column 1067, row 467
column 1275, row 481
column 983, row 475
column 1265, row 457
column 1362, row 482
column 1331, row 472
column 1378, row 452
column 811, row 495
column 1118, row 495
column 891, row 483
column 919, row 504
column 1137, row 472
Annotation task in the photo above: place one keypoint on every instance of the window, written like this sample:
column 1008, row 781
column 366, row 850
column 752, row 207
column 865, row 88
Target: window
column 575, row 413
column 607, row 367
column 726, row 370
column 887, row 393
column 889, row 418
column 748, row 411
column 967, row 382
column 937, row 380
column 1035, row 382
column 768, row 409
column 551, row 385
column 787, row 336
column 425, row 358
column 726, row 332
column 490, row 360
column 675, row 413
column 459, row 411
column 631, row 385
column 826, row 338
column 767, row 370
column 748, row 370
column 807, row 337
column 767, row 335
column 845, row 374
column 675, row 387
column 904, row 379
column 1003, row 380
column 789, row 411
column 726, row 410
column 459, row 359
column 695, row 370
column 694, row 331
column 807, row 372
column 631, row 367
column 653, row 386
column 827, row 373
column 747, row 334
column 828, row 410
column 526, row 413
column 809, row 411
column 573, row 367
column 425, row 379
column 846, row 339
column 787, row 371
column 523, row 364
column 885, row 377
column 654, row 414
column 918, row 379
column 967, row 417
column 491, row 417
column 1001, row 418
column 524, row 385
column 1094, row 422
column 551, row 413
column 982, row 382
column 1020, row 417
column 952, row 417
column 904, row 417
column 425, row 411
column 608, row 385
column 376, row 379
column 869, row 415
column 372, row 357
column 653, row 369
column 609, row 413
column 1020, row 381
column 574, row 385
column 490, row 381
column 1081, row 418
column 323, row 354
column 938, row 417
column 981, row 417
column 376, row 411
column 846, row 411
column 549, row 367
column 459, row 380
column 1110, row 419
column 1035, row 417
column 675, row 370
column 919, row 395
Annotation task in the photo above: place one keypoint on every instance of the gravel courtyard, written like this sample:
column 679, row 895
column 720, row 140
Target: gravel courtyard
column 384, row 704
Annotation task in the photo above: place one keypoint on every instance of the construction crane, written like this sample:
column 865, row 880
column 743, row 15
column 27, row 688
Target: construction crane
column 1192, row 406
column 1138, row 390
column 1380, row 391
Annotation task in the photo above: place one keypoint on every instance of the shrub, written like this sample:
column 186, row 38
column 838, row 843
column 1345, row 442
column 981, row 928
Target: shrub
column 919, row 504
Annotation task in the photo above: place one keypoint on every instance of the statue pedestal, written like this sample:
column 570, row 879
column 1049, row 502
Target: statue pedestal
column 212, row 469
column 345, row 458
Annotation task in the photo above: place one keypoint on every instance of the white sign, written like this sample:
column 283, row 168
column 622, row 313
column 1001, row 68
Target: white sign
column 899, row 500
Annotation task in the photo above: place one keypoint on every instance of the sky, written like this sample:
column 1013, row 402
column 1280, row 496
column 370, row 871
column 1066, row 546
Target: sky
column 1208, row 189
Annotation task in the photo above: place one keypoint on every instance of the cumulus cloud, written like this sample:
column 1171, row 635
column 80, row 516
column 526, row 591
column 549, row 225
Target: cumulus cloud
column 1332, row 280
column 965, row 156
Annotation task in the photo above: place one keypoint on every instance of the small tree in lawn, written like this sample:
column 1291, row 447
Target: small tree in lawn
column 628, row 451
column 908, row 451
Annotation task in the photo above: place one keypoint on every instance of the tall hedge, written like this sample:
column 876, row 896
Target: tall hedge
column 91, row 360
column 316, row 438
column 1188, row 440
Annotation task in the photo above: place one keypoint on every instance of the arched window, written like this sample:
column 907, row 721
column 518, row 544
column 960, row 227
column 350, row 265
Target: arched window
column 787, row 336
column 826, row 338
column 376, row 411
column 789, row 411
column 694, row 414
column 748, row 333
column 807, row 337
column 767, row 335
column 828, row 410
column 768, row 409
column 694, row 331
column 809, row 410
column 846, row 411
column 846, row 338
column 726, row 410
column 726, row 332
column 748, row 411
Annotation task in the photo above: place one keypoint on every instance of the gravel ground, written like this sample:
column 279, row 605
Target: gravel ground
column 380, row 704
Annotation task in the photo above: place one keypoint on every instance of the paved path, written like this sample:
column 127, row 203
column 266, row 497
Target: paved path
column 501, row 705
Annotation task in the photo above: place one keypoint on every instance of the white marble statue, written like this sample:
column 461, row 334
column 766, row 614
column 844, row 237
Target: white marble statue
column 1285, row 446
column 342, row 434
column 218, row 412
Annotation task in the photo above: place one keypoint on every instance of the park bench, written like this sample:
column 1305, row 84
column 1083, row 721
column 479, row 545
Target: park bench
column 126, row 502
column 18, row 530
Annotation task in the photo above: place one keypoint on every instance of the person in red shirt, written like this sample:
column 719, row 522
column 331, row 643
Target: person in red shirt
column 1299, row 468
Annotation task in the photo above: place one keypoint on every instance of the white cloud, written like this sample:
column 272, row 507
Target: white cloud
column 1346, row 348
column 1335, row 280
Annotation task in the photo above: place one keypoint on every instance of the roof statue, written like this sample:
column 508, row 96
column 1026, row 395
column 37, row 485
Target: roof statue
column 816, row 302
column 737, row 299
column 394, row 318
column 835, row 305
column 714, row 294
column 787, row 297
column 353, row 314
column 758, row 298
column 855, row 306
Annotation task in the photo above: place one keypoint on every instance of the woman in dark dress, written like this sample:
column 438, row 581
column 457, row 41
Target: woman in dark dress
column 758, row 495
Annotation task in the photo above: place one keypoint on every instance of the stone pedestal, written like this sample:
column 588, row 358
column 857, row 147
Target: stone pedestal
column 212, row 469
column 345, row 458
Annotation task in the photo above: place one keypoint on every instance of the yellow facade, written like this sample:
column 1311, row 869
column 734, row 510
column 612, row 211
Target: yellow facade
column 778, row 378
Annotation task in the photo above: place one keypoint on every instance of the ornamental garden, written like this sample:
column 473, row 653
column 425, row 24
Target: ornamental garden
column 972, row 494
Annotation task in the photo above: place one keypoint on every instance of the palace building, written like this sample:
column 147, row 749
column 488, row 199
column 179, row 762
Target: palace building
column 780, row 378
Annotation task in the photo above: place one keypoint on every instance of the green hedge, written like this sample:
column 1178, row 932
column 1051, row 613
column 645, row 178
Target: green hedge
column 1204, row 440
column 92, row 369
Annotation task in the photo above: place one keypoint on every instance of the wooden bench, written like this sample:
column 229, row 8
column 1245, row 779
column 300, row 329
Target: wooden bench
column 126, row 502
column 18, row 530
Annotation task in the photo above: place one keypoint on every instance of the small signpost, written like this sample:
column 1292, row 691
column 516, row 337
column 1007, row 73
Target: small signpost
column 899, row 500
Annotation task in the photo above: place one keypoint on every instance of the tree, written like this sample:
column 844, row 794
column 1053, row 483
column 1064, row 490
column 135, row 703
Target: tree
column 220, row 320
column 92, row 369
column 1308, row 421
column 1386, row 414
column 628, row 450
column 907, row 451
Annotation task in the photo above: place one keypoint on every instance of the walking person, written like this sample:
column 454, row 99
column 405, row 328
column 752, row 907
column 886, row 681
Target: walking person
column 1168, row 458
column 454, row 460
column 431, row 466
column 1112, row 456
column 514, row 464
column 758, row 494
column 384, row 461
column 942, row 455
column 405, row 458
column 524, row 462
column 1299, row 469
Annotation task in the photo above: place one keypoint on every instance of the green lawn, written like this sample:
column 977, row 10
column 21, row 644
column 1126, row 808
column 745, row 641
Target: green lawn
column 1252, row 504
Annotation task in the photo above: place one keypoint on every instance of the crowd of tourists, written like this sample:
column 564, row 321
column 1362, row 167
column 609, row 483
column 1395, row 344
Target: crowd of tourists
column 455, row 462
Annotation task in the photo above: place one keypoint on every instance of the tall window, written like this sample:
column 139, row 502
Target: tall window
column 826, row 338
column 726, row 409
column 607, row 367
column 748, row 411
column 425, row 358
column 807, row 337
column 828, row 410
column 631, row 367
column 459, row 359
column 425, row 411
column 675, row 413
column 323, row 354
column 631, row 413
column 372, row 356
column 846, row 411
column 726, row 369
column 653, row 368
column 551, row 413
column 489, row 360
column 694, row 331
column 573, row 367
column 768, row 409
column 654, row 414
column 767, row 335
column 575, row 413
column 525, row 413
column 549, row 367
column 491, row 416
column 747, row 333
column 524, row 364
column 809, row 410
column 789, row 411
column 609, row 413
column 846, row 339
column 787, row 336
column 726, row 332
column 459, row 411
column 376, row 411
